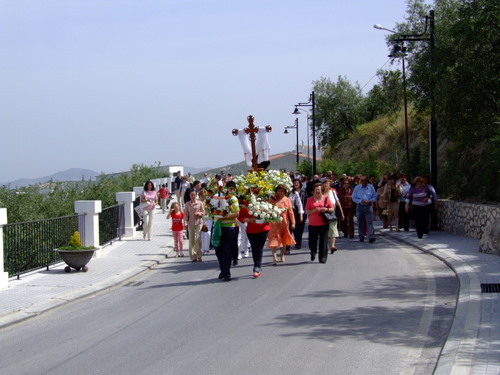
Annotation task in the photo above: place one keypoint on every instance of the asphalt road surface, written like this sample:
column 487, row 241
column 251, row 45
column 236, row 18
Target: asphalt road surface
column 380, row 308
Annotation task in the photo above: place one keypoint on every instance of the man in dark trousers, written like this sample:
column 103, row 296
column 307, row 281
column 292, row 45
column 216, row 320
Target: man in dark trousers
column 227, row 226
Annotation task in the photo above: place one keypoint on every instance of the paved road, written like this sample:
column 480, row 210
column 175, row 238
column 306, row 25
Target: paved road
column 372, row 309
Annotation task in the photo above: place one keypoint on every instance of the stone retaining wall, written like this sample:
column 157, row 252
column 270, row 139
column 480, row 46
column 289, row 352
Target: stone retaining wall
column 466, row 219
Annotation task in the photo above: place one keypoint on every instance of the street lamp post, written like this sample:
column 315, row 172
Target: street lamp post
column 429, row 24
column 296, row 127
column 308, row 117
column 310, row 103
column 400, row 51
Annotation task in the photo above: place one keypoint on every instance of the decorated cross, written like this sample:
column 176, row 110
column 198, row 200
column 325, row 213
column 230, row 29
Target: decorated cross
column 252, row 131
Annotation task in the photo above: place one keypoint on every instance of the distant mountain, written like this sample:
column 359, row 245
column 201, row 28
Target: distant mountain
column 196, row 170
column 73, row 174
column 285, row 161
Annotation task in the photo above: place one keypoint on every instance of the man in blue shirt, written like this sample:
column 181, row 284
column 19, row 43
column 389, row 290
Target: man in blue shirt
column 364, row 195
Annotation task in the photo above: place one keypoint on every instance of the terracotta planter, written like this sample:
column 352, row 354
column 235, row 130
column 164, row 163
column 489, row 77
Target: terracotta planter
column 76, row 259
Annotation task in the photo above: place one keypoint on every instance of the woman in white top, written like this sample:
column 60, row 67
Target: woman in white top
column 184, row 186
column 298, row 212
column 333, row 231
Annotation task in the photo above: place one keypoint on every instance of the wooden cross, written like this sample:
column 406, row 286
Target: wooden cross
column 252, row 131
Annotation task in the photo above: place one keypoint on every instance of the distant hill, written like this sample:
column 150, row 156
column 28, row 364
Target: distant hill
column 285, row 161
column 196, row 170
column 73, row 174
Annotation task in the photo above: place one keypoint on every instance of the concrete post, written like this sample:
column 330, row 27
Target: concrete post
column 89, row 229
column 138, row 191
column 127, row 199
column 4, row 276
column 157, row 183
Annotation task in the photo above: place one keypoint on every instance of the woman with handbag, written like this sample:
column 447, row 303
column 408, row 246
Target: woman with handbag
column 318, row 227
column 193, row 217
column 419, row 199
column 149, row 200
column 392, row 192
column 333, row 231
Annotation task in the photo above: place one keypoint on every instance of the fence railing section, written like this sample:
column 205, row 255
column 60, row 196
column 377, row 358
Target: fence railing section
column 29, row 246
column 111, row 224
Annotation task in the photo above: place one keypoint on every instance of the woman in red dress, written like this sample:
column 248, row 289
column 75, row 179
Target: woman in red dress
column 280, row 235
column 345, row 197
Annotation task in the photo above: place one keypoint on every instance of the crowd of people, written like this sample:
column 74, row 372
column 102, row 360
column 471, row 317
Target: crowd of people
column 327, row 203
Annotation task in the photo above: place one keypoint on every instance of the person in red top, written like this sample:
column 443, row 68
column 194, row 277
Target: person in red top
column 318, row 228
column 177, row 228
column 257, row 235
column 163, row 194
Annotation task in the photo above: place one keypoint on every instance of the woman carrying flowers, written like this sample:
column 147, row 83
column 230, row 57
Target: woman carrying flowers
column 256, row 230
column 280, row 235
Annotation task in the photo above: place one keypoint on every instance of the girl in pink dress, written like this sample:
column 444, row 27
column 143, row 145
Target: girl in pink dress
column 280, row 235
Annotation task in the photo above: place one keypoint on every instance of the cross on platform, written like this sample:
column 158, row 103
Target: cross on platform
column 252, row 130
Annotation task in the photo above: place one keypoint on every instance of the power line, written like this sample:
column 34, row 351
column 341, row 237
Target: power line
column 389, row 59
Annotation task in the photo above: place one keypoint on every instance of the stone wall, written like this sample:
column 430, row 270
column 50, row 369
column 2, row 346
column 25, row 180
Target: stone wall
column 466, row 219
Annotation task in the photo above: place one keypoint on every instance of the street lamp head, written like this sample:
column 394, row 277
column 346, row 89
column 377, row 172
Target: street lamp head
column 380, row 27
column 286, row 131
column 296, row 111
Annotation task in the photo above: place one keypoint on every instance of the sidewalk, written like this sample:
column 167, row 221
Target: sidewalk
column 472, row 347
column 40, row 291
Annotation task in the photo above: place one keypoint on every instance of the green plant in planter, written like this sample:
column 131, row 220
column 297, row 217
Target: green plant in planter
column 76, row 244
column 75, row 255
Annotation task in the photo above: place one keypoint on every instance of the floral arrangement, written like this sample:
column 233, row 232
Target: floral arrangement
column 265, row 181
column 217, row 203
column 264, row 210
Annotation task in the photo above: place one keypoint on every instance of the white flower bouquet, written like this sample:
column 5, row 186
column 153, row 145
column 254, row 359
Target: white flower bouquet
column 264, row 211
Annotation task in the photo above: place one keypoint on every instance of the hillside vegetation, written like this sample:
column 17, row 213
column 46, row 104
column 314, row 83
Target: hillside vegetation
column 384, row 138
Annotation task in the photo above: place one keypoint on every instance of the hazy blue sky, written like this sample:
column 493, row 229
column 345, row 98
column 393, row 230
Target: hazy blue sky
column 104, row 84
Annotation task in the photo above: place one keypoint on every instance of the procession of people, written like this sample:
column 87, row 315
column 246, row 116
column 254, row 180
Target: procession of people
column 236, row 216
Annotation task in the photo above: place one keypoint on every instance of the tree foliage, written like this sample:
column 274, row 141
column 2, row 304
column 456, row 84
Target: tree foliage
column 386, row 97
column 56, row 199
column 339, row 109
column 461, row 79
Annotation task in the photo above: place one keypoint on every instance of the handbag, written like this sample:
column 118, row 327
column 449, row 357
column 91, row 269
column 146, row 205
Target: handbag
column 329, row 217
column 140, row 211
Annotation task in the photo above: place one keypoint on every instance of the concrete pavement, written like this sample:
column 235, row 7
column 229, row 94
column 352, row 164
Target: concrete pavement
column 472, row 347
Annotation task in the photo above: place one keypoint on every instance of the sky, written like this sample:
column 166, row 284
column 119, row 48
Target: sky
column 105, row 84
